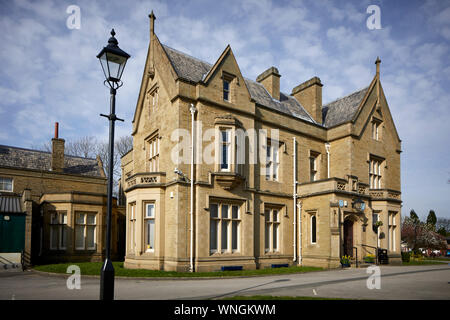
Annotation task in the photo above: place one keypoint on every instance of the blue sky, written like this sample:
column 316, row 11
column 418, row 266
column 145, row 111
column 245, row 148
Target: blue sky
column 49, row 72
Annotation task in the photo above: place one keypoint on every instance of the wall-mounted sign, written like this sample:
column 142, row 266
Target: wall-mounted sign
column 6, row 218
column 341, row 203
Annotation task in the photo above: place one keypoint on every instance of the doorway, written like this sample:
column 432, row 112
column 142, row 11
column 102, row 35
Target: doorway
column 348, row 238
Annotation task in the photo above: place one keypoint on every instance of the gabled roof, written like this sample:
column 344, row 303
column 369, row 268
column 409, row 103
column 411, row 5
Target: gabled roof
column 343, row 109
column 194, row 70
column 186, row 66
column 41, row 160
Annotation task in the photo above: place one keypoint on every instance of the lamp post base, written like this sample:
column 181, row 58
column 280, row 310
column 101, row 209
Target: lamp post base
column 107, row 281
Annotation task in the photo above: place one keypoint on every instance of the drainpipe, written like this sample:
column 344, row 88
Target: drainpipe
column 191, row 258
column 295, row 198
column 327, row 147
column 300, row 232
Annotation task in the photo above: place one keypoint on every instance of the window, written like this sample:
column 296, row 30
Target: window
column 225, row 150
column 132, row 226
column 224, row 227
column 154, row 100
column 313, row 229
column 85, row 226
column 149, row 227
column 272, row 161
column 226, row 90
column 153, row 154
column 271, row 232
column 313, row 172
column 376, row 130
column 6, row 184
column 374, row 221
column 58, row 231
column 375, row 173
column 375, row 218
column 392, row 229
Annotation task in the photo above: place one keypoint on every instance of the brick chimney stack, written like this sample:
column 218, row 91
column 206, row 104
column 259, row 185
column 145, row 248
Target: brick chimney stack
column 57, row 151
column 270, row 79
column 309, row 94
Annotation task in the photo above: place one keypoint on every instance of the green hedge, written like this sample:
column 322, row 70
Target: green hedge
column 406, row 256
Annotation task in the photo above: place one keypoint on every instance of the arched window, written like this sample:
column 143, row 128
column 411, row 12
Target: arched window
column 313, row 229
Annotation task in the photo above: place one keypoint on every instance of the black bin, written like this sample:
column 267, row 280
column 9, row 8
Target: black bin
column 383, row 256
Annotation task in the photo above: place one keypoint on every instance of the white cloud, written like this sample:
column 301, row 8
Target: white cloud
column 50, row 73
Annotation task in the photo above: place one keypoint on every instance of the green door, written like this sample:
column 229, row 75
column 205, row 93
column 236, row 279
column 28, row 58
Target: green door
column 12, row 232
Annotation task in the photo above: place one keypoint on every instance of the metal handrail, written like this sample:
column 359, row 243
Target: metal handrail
column 376, row 251
column 356, row 258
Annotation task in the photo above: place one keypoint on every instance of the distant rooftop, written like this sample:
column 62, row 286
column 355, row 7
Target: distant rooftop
column 41, row 160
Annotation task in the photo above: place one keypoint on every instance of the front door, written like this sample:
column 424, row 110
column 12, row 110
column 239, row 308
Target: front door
column 348, row 238
column 12, row 232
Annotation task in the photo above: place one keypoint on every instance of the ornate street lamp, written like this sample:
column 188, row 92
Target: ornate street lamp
column 112, row 60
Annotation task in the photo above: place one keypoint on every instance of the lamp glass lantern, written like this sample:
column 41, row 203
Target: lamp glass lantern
column 113, row 59
column 359, row 205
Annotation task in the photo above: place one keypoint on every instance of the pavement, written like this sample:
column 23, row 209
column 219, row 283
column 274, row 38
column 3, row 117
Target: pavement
column 428, row 282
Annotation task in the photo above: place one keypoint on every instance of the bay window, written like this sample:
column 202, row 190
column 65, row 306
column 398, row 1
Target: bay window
column 85, row 227
column 149, row 227
column 58, row 231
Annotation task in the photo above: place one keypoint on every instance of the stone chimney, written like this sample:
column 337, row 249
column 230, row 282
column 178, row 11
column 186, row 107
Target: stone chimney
column 270, row 79
column 309, row 94
column 57, row 151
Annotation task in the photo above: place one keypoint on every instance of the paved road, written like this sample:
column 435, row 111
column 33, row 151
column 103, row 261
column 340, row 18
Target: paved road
column 410, row 282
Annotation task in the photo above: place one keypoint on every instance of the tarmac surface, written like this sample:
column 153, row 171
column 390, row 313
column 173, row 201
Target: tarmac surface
column 428, row 282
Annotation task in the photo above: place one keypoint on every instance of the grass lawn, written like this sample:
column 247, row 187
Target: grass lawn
column 93, row 268
column 278, row 298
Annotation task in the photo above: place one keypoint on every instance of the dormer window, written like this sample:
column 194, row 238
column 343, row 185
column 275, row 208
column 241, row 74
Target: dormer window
column 226, row 90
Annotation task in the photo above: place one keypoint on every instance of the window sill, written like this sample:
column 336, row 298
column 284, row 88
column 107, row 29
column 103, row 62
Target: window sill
column 224, row 254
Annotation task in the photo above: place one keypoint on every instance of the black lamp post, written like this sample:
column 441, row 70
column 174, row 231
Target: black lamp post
column 112, row 60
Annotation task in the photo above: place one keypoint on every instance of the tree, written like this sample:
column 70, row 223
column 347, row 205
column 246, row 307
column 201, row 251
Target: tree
column 443, row 223
column 431, row 219
column 413, row 215
column 124, row 144
column 442, row 231
column 421, row 235
column 85, row 147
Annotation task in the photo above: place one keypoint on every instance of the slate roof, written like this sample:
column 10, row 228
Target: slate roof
column 41, row 160
column 342, row 109
column 334, row 113
column 10, row 204
column 195, row 70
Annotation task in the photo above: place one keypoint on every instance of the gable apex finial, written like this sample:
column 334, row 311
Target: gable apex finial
column 152, row 22
column 377, row 62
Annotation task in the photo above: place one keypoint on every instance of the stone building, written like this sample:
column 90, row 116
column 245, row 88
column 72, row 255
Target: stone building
column 63, row 201
column 291, row 181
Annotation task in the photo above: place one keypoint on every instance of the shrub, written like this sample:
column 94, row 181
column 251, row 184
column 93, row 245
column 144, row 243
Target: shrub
column 417, row 257
column 406, row 256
